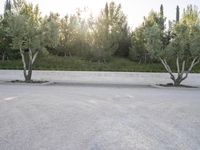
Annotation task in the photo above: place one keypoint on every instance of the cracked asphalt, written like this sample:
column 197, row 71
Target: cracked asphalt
column 53, row 117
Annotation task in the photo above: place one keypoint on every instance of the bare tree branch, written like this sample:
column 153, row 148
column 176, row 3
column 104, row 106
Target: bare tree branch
column 35, row 56
column 183, row 68
column 164, row 62
column 178, row 66
column 194, row 62
column 23, row 61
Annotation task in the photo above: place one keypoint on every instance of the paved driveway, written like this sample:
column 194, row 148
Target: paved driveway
column 50, row 117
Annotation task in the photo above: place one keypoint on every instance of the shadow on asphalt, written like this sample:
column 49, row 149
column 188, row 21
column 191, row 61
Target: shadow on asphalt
column 95, row 84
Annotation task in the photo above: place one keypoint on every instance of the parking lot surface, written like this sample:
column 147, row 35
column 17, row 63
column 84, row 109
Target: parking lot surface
column 78, row 117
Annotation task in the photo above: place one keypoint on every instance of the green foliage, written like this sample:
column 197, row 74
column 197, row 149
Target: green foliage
column 24, row 28
column 7, row 7
column 151, row 19
column 29, row 31
column 1, row 33
column 152, row 31
column 73, row 35
column 92, row 43
column 153, row 42
column 111, row 32
column 186, row 43
column 124, row 42
column 190, row 16
column 177, row 14
column 138, row 50
column 183, row 48
column 50, row 31
column 5, row 48
column 30, row 34
column 162, row 18
column 79, row 64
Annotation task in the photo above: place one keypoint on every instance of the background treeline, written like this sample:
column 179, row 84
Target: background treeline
column 96, row 39
column 93, row 39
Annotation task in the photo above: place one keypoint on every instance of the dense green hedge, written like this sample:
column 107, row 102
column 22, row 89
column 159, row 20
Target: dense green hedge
column 78, row 64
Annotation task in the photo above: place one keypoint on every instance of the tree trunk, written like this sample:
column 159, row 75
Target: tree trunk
column 140, row 61
column 30, row 62
column 182, row 74
column 24, row 63
column 3, row 57
column 178, row 80
column 70, row 55
column 145, row 58
column 28, row 76
column 27, row 66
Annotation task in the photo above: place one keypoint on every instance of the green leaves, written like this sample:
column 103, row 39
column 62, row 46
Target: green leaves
column 17, row 30
column 190, row 16
column 185, row 42
column 50, row 31
column 29, row 31
column 111, row 30
column 138, row 49
column 153, row 41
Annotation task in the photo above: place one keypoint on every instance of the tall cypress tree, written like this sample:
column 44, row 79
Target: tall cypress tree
column 162, row 26
column 177, row 14
column 162, row 19
column 107, row 21
column 7, row 6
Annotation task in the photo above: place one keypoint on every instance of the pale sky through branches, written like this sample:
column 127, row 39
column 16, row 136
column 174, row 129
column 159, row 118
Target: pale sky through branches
column 134, row 9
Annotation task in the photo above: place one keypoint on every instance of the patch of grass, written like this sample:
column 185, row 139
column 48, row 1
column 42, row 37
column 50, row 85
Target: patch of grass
column 79, row 64
column 14, row 64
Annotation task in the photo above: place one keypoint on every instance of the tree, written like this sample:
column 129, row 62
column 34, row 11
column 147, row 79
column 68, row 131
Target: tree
column 50, row 27
column 190, row 16
column 165, row 36
column 4, row 38
column 152, row 18
column 138, row 49
column 30, row 35
column 184, row 47
column 73, row 35
column 162, row 18
column 2, row 35
column 124, row 42
column 110, row 32
column 177, row 14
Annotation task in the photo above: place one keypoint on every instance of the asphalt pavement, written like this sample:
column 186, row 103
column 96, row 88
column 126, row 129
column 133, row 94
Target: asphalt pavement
column 98, row 111
column 68, row 117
